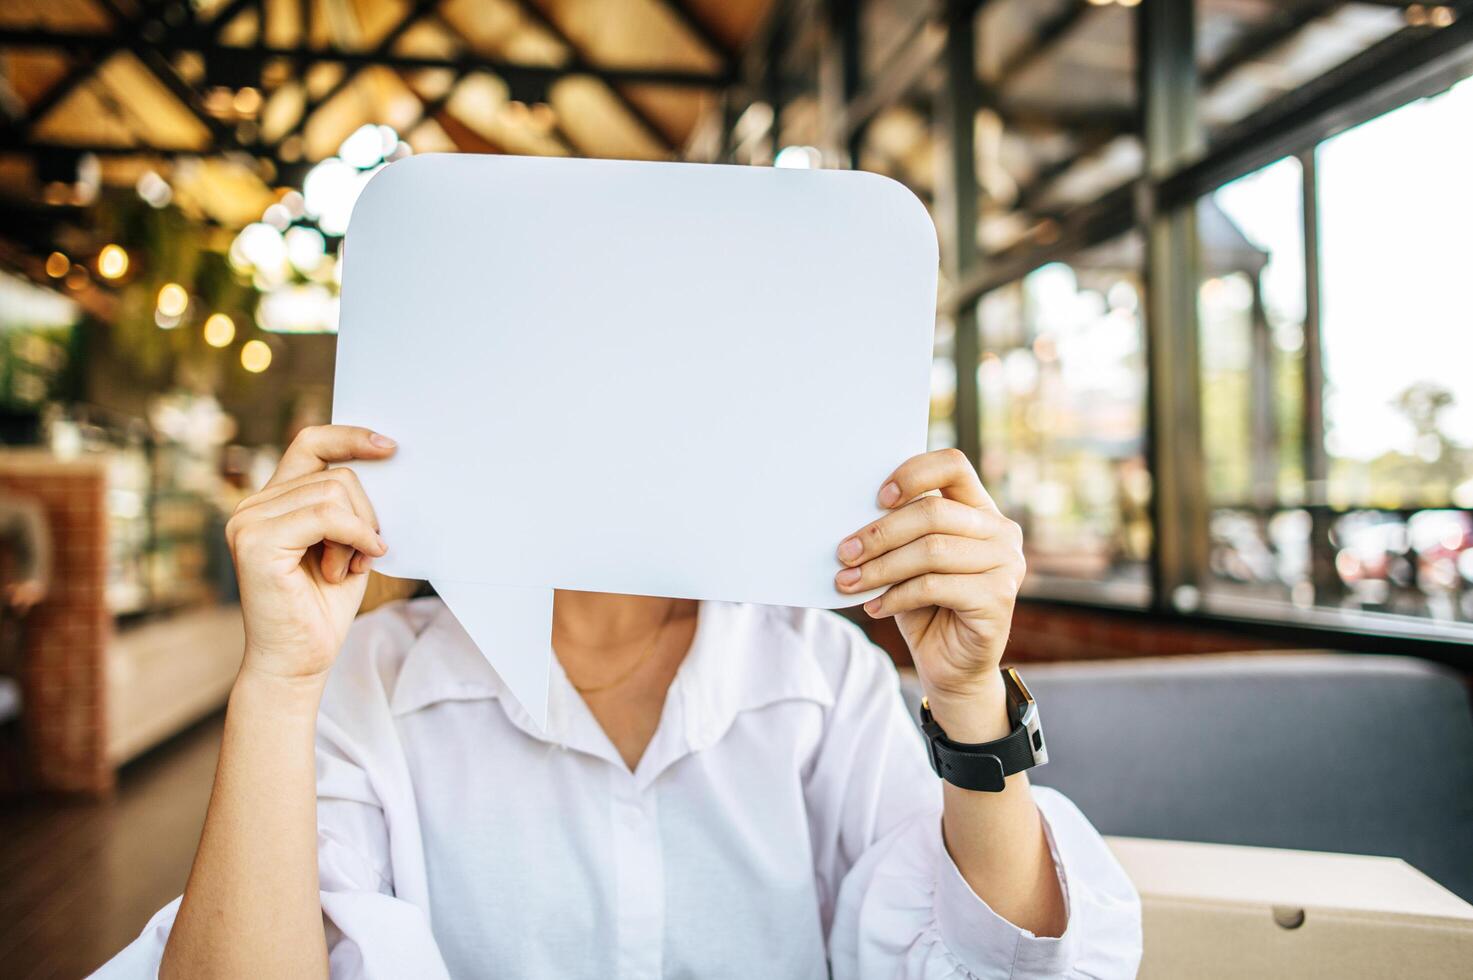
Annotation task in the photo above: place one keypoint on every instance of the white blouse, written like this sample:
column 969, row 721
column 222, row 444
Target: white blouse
column 783, row 822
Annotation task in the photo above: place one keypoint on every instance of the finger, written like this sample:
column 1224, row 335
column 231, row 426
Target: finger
column 356, row 495
column 360, row 563
column 338, row 484
column 946, row 470
column 927, row 515
column 979, row 592
column 317, row 445
column 948, row 553
column 305, row 493
column 298, row 530
column 335, row 561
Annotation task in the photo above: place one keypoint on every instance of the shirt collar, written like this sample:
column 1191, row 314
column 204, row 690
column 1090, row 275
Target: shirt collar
column 743, row 657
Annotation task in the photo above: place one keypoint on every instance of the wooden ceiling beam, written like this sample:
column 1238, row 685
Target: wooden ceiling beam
column 129, row 32
column 434, row 109
column 86, row 65
column 419, row 10
column 99, row 43
column 695, row 25
column 1280, row 27
column 534, row 13
column 1051, row 32
column 1254, row 45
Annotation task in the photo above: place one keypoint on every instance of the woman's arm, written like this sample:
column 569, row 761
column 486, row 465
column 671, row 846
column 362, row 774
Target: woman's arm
column 302, row 548
column 997, row 839
column 953, row 565
column 251, row 905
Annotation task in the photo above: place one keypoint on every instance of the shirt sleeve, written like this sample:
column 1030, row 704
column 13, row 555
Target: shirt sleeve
column 371, row 933
column 900, row 907
column 372, row 883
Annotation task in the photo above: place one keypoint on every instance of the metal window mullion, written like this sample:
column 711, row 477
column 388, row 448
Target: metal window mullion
column 1323, row 576
column 838, row 82
column 956, row 208
column 1171, row 134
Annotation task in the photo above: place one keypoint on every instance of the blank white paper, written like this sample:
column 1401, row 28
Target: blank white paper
column 661, row 379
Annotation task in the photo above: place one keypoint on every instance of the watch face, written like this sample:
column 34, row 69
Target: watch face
column 1016, row 688
column 1024, row 712
column 1018, row 696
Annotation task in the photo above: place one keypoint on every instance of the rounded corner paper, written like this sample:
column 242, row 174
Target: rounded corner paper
column 651, row 378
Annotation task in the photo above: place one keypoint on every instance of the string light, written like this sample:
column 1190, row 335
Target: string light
column 57, row 265
column 173, row 300
column 798, row 158
column 219, row 330
column 154, row 189
column 255, row 356
column 247, row 101
column 112, row 262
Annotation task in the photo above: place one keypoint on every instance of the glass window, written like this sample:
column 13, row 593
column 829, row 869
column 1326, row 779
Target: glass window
column 1062, row 384
column 1395, row 213
column 1396, row 220
column 1390, row 529
column 1251, row 308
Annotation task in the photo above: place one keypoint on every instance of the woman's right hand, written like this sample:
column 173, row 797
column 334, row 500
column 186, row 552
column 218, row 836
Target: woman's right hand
column 302, row 547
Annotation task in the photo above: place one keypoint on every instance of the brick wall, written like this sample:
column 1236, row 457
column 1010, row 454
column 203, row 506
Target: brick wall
column 1042, row 631
column 62, row 670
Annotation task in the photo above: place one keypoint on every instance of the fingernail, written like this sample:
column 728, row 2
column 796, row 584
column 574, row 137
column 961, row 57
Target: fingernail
column 847, row 577
column 382, row 546
column 850, row 549
column 382, row 441
column 872, row 607
column 889, row 494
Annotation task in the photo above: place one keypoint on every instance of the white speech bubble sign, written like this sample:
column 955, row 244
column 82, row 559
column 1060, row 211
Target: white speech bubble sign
column 665, row 379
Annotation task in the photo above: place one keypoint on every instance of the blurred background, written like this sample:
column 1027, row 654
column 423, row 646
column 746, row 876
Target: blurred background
column 1204, row 325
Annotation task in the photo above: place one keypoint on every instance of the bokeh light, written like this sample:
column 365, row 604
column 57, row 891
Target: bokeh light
column 798, row 158
column 255, row 356
column 173, row 300
column 112, row 262
column 331, row 189
column 219, row 330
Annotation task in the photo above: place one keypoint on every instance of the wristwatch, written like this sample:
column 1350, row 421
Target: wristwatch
column 986, row 766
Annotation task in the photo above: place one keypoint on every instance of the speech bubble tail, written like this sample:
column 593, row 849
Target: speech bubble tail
column 512, row 626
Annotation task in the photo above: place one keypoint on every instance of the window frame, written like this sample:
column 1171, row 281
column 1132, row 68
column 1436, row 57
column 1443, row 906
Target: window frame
column 1180, row 168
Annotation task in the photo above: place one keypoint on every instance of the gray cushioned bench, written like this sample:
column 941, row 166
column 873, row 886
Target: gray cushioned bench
column 1317, row 751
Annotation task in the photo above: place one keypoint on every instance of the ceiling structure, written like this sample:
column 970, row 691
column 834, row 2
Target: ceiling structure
column 1058, row 127
column 234, row 99
column 623, row 76
column 267, row 87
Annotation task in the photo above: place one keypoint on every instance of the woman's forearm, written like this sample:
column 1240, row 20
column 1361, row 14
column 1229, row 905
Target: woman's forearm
column 997, row 839
column 251, row 908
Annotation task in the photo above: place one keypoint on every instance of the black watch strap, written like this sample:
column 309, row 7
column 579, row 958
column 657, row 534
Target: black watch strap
column 984, row 766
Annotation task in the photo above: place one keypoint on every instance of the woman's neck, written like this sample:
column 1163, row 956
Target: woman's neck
column 621, row 653
column 594, row 620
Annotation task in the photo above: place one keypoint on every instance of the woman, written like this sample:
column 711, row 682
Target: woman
column 721, row 791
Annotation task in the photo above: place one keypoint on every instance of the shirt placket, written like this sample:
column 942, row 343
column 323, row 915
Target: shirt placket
column 639, row 880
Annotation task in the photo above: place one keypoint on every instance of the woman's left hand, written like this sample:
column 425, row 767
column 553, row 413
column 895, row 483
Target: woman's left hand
column 952, row 564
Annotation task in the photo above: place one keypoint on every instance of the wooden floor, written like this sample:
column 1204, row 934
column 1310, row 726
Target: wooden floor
column 79, row 880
